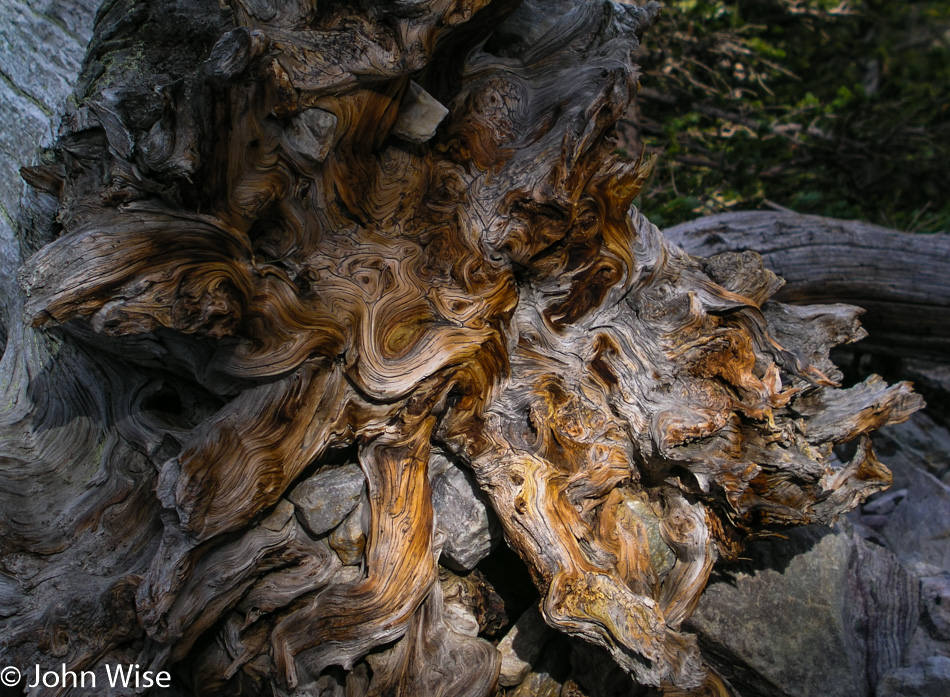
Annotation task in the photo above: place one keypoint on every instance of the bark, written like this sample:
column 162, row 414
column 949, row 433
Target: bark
column 273, row 240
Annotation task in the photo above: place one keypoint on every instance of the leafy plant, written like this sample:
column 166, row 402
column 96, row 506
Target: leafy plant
column 832, row 107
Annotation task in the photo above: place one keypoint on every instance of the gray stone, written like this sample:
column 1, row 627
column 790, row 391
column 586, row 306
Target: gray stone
column 538, row 685
column 311, row 133
column 918, row 443
column 935, row 604
column 348, row 540
column 469, row 527
column 933, row 632
column 930, row 678
column 886, row 503
column 919, row 528
column 821, row 613
column 327, row 497
column 419, row 115
column 41, row 54
column 42, row 43
column 521, row 647
column 911, row 450
column 932, row 379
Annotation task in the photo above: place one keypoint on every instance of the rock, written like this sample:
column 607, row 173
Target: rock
column 349, row 539
column 930, row 678
column 548, row 676
column 42, row 43
column 932, row 379
column 918, row 443
column 595, row 674
column 911, row 449
column 470, row 528
column 821, row 613
column 933, row 632
column 326, row 498
column 419, row 115
column 935, row 604
column 919, row 528
column 538, row 685
column 474, row 592
column 522, row 646
column 311, row 134
column 886, row 503
column 914, row 523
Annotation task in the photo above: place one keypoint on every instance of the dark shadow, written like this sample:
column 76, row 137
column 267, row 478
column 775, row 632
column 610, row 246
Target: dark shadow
column 509, row 576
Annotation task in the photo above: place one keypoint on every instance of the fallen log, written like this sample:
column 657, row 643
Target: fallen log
column 902, row 280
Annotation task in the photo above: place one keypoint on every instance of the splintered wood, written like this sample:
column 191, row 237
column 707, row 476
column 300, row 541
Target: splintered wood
column 274, row 239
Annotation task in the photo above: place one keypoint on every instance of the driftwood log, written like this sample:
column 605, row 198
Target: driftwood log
column 277, row 245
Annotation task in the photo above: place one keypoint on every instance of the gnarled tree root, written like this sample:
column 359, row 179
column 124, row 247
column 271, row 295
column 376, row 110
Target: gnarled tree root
column 290, row 257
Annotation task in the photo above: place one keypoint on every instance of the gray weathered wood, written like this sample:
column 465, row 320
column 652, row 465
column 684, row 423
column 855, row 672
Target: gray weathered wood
column 901, row 279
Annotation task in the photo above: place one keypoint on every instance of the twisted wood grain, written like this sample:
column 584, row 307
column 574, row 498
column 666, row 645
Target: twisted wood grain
column 269, row 265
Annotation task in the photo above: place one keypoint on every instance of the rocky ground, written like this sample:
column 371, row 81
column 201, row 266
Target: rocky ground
column 859, row 609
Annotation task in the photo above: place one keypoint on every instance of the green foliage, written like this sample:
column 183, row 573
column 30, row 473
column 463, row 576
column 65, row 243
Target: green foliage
column 832, row 107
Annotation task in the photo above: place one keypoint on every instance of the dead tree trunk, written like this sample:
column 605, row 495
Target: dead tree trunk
column 306, row 280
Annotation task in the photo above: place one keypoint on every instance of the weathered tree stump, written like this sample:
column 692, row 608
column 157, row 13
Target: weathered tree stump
column 277, row 241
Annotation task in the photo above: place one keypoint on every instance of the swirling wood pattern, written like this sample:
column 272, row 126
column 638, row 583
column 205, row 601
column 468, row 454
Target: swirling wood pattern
column 314, row 233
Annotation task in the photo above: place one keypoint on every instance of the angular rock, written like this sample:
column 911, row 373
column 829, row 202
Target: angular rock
column 594, row 672
column 522, row 646
column 419, row 115
column 475, row 593
column 822, row 613
column 932, row 378
column 349, row 539
column 933, row 632
column 470, row 528
column 935, row 604
column 311, row 134
column 548, row 677
column 886, row 503
column 327, row 497
column 538, row 685
column 919, row 528
column 39, row 61
column 921, row 442
column 930, row 678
